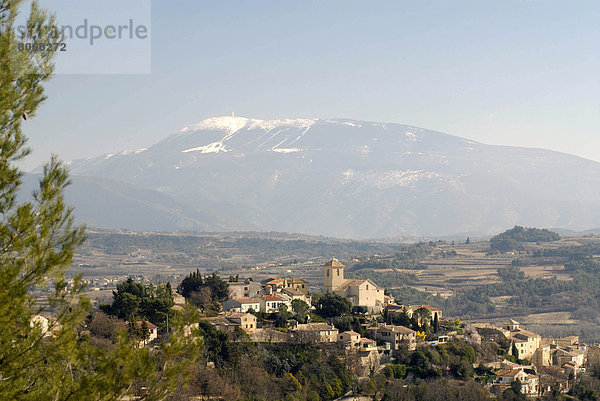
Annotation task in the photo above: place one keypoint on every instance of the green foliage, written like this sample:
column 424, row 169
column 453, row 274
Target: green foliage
column 510, row 273
column 423, row 315
column 343, row 323
column 452, row 360
column 37, row 242
column 399, row 319
column 283, row 315
column 514, row 351
column 207, row 293
column 137, row 301
column 385, row 278
column 506, row 245
column 229, row 251
column 424, row 363
column 273, row 372
column 360, row 310
column 300, row 309
column 586, row 389
column 513, row 393
column 395, row 371
column 434, row 390
column 138, row 332
column 511, row 240
column 572, row 252
column 330, row 305
column 218, row 347
column 406, row 259
column 192, row 283
column 218, row 288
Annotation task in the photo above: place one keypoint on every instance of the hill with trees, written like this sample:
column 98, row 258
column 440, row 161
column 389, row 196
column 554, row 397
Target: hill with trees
column 512, row 239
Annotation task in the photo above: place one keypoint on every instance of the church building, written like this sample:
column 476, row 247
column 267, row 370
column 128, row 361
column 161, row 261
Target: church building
column 361, row 292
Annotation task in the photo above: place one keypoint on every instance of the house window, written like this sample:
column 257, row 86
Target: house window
column 367, row 286
column 338, row 271
column 327, row 273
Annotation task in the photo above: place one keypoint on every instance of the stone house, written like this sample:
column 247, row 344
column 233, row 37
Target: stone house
column 396, row 336
column 505, row 377
column 229, row 322
column 245, row 289
column 314, row 333
column 270, row 303
column 348, row 339
column 241, row 305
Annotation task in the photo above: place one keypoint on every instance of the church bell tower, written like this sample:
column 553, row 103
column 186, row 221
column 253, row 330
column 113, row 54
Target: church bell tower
column 333, row 275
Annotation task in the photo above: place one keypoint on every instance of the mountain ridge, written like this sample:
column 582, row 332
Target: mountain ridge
column 358, row 179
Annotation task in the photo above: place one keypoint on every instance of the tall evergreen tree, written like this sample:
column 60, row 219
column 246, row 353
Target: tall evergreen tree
column 191, row 283
column 37, row 242
column 514, row 351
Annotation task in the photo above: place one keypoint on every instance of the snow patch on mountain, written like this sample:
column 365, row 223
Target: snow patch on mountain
column 411, row 136
column 227, row 123
column 215, row 147
column 232, row 124
column 269, row 125
column 287, row 150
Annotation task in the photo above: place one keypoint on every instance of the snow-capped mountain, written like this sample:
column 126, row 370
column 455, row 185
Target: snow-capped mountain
column 354, row 179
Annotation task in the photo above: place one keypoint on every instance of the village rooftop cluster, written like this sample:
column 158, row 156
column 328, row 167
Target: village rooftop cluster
column 538, row 364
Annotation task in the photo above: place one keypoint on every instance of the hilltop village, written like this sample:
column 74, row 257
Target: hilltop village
column 357, row 322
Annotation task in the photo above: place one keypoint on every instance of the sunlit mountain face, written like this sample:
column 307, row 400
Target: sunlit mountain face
column 345, row 178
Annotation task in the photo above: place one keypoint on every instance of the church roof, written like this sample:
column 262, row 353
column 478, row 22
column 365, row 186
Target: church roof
column 333, row 263
column 355, row 282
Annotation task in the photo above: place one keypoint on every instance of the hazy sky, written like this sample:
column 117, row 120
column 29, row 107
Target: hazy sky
column 521, row 73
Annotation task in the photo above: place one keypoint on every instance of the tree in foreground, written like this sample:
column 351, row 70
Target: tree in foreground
column 37, row 241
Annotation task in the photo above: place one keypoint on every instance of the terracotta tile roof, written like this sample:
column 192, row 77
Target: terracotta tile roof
column 150, row 325
column 429, row 307
column 270, row 298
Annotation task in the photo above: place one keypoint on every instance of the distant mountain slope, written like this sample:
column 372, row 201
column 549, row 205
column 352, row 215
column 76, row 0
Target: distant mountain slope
column 106, row 203
column 357, row 179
